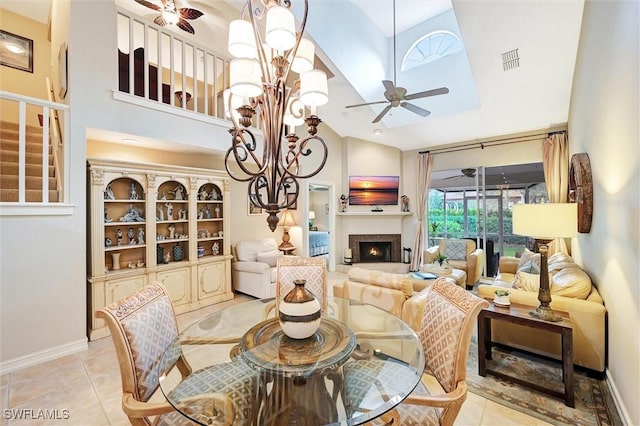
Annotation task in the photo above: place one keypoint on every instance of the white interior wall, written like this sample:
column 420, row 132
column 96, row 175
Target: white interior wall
column 603, row 122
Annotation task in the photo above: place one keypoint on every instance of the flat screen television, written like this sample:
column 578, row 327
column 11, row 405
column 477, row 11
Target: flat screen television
column 373, row 190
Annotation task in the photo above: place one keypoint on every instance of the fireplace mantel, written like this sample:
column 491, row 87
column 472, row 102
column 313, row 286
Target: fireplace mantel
column 372, row 214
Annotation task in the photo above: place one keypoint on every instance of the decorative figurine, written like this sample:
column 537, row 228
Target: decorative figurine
column 167, row 257
column 178, row 192
column 133, row 194
column 201, row 214
column 131, row 236
column 203, row 195
column 207, row 212
column 182, row 214
column 132, row 215
column 162, row 196
column 169, row 207
column 343, row 203
column 106, row 218
column 172, row 231
column 217, row 210
column 405, row 203
column 107, row 242
column 215, row 248
column 119, row 237
column 108, row 193
column 140, row 236
column 160, row 213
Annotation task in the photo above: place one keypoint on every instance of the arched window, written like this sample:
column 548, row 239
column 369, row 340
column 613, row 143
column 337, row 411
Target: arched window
column 431, row 47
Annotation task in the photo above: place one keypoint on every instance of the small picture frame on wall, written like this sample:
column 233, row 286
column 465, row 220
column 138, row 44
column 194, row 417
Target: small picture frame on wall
column 252, row 208
column 16, row 51
column 293, row 206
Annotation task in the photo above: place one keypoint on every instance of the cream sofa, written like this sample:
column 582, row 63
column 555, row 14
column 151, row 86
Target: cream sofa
column 253, row 270
column 469, row 259
column 571, row 291
column 398, row 294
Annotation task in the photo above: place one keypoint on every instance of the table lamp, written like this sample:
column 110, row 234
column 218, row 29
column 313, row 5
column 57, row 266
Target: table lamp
column 545, row 222
column 312, row 215
column 286, row 221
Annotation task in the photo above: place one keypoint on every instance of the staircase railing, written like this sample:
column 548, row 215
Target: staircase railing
column 48, row 110
column 56, row 141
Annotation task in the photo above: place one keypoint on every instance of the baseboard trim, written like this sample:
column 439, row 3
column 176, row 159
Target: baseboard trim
column 622, row 410
column 43, row 356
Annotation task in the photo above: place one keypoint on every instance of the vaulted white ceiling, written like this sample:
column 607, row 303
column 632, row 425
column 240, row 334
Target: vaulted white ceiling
column 355, row 40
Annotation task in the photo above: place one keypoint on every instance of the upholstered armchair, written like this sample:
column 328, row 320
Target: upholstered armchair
column 253, row 270
column 143, row 327
column 449, row 317
column 461, row 254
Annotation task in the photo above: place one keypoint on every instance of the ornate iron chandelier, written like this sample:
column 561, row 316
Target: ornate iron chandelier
column 258, row 85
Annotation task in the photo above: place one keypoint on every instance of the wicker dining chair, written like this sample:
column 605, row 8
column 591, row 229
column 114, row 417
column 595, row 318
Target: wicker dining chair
column 450, row 315
column 143, row 326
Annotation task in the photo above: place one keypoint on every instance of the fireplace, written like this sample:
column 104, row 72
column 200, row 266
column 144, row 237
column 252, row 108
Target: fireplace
column 375, row 247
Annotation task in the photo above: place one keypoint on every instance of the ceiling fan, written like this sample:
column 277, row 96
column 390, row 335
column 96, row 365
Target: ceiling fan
column 170, row 14
column 470, row 173
column 397, row 96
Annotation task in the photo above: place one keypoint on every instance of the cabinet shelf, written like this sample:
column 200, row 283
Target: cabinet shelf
column 211, row 239
column 174, row 240
column 159, row 222
column 213, row 219
column 124, row 247
column 138, row 201
column 130, row 224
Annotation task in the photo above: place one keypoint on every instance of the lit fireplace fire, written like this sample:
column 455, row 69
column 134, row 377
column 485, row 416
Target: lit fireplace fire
column 373, row 251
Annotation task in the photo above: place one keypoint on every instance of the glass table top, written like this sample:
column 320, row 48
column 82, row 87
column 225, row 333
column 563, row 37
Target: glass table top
column 360, row 363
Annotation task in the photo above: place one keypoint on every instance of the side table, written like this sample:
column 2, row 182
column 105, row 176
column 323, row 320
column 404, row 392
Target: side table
column 288, row 251
column 519, row 314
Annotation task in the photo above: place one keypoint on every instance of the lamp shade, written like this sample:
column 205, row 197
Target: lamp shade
column 313, row 88
column 546, row 221
column 280, row 31
column 312, row 214
column 303, row 61
column 286, row 219
column 242, row 40
column 245, row 78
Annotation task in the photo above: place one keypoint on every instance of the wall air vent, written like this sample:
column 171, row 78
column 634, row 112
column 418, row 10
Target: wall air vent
column 510, row 60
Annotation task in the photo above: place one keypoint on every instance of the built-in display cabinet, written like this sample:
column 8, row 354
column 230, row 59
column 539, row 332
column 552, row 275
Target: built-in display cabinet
column 152, row 222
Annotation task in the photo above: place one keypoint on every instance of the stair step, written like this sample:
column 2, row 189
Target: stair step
column 31, row 182
column 12, row 145
column 11, row 169
column 30, row 157
column 13, row 135
column 32, row 196
column 9, row 125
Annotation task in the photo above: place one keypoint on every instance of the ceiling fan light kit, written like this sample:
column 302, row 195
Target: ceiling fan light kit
column 258, row 75
column 395, row 95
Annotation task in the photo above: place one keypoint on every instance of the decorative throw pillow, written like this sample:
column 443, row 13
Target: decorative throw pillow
column 526, row 281
column 270, row 257
column 529, row 262
column 456, row 249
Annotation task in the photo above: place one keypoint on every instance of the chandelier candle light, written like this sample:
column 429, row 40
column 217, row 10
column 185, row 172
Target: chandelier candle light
column 258, row 78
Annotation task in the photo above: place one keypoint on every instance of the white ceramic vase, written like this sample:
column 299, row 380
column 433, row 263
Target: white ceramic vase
column 115, row 260
column 299, row 312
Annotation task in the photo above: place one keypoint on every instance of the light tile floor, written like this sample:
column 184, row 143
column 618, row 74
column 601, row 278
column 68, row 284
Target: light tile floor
column 85, row 388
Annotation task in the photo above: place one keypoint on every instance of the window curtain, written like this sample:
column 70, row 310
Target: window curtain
column 424, row 180
column 555, row 161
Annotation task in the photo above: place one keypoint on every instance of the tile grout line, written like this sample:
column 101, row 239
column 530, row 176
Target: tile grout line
column 95, row 390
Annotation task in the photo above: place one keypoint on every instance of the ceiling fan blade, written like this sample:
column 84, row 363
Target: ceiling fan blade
column 388, row 86
column 382, row 114
column 454, row 177
column 188, row 13
column 149, row 5
column 160, row 21
column 415, row 109
column 368, row 103
column 434, row 92
column 185, row 26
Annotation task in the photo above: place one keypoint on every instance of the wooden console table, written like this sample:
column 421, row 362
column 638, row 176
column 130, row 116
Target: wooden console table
column 519, row 314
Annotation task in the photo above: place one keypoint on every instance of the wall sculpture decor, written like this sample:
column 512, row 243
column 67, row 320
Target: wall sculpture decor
column 581, row 190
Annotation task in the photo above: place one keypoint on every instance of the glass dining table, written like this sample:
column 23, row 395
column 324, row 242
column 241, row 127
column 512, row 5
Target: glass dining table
column 360, row 364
